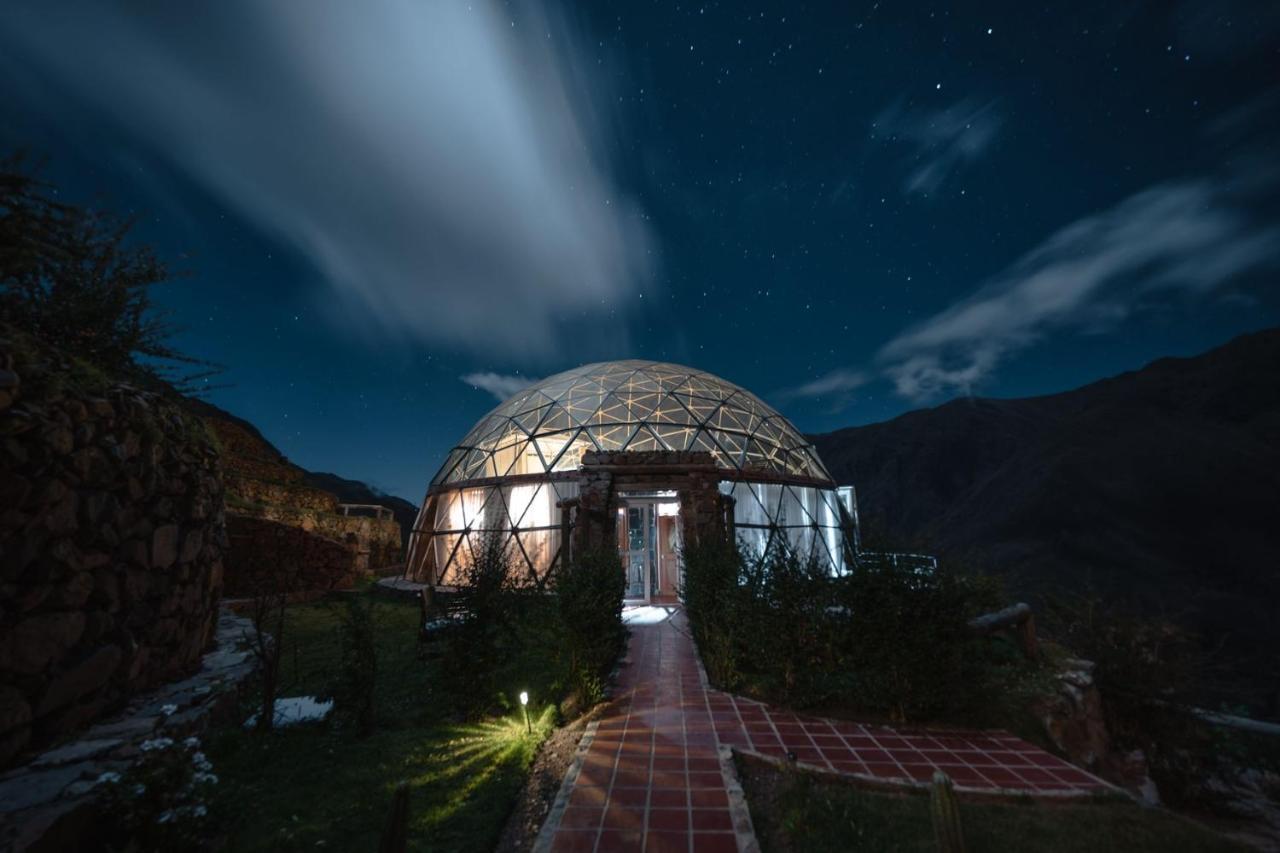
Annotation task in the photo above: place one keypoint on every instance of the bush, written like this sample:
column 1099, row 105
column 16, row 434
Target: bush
column 1146, row 671
column 589, row 592
column 159, row 803
column 884, row 639
column 355, row 686
column 477, row 649
column 910, row 652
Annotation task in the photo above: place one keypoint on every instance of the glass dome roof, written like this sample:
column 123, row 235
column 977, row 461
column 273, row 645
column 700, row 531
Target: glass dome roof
column 631, row 405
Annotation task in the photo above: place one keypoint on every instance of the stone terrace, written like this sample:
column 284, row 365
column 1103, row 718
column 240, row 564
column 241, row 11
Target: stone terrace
column 656, row 772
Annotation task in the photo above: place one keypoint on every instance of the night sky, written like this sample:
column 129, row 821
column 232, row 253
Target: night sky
column 392, row 212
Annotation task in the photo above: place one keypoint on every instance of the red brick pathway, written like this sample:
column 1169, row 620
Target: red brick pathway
column 978, row 761
column 655, row 772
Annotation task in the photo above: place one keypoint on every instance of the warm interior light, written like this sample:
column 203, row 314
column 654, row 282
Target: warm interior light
column 524, row 698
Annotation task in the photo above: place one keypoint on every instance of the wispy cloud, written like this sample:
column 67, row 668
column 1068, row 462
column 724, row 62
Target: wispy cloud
column 499, row 385
column 438, row 163
column 942, row 141
column 838, row 383
column 1190, row 237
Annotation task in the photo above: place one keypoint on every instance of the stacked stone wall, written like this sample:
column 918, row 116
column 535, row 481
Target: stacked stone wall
column 692, row 474
column 111, row 545
column 265, row 552
column 296, row 495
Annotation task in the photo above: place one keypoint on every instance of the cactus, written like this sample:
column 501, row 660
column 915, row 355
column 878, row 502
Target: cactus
column 395, row 837
column 946, row 815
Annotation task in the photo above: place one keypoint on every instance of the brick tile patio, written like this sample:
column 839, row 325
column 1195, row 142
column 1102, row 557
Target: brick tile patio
column 654, row 773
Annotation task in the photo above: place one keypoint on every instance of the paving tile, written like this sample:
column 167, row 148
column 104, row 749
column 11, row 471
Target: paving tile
column 652, row 772
column 620, row 841
column 669, row 798
column 714, row 842
column 588, row 795
column 667, row 842
column 570, row 841
column 668, row 820
column 582, row 817
column 620, row 816
column 712, row 820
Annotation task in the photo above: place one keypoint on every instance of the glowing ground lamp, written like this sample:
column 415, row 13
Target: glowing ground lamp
column 524, row 706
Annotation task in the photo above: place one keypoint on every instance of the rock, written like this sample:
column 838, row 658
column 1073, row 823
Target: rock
column 37, row 788
column 72, row 593
column 1072, row 717
column 14, row 488
column 13, row 742
column 135, row 551
column 85, row 677
column 80, row 750
column 38, row 639
column 14, row 709
column 60, row 440
column 164, row 546
column 61, row 519
column 131, row 727
column 191, row 545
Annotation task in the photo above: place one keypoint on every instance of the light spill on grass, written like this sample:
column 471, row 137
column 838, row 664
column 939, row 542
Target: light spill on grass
column 321, row 788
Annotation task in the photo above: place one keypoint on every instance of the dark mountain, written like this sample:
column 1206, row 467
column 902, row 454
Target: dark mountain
column 347, row 491
column 1159, row 488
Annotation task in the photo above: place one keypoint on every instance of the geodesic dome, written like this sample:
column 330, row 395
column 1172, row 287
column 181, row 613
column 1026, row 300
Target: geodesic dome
column 518, row 464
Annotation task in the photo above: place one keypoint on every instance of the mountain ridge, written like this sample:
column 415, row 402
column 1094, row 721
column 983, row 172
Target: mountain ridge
column 1158, row 487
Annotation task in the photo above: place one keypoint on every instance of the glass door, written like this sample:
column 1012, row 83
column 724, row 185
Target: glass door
column 639, row 549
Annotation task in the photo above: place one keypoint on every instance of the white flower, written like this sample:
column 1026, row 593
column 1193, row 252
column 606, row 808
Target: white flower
column 199, row 811
column 139, row 789
column 156, row 743
column 109, row 777
column 166, row 816
column 192, row 743
column 202, row 777
column 168, row 709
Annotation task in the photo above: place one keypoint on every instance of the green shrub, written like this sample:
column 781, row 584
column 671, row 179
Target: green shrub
column 475, row 653
column 516, row 635
column 589, row 592
column 1147, row 671
column 160, row 802
column 909, row 650
column 884, row 639
column 712, row 579
column 355, row 687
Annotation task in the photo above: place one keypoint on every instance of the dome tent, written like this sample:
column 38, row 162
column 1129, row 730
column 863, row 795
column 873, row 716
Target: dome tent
column 518, row 472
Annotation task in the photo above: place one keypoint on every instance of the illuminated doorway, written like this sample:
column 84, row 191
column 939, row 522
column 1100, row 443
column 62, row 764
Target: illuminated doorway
column 649, row 544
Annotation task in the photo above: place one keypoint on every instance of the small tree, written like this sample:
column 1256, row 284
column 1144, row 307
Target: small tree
column 354, row 688
column 70, row 277
column 589, row 593
column 272, row 586
column 487, row 595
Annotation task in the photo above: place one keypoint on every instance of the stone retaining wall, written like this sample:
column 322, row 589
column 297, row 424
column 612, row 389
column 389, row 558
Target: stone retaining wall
column 296, row 495
column 48, row 803
column 377, row 540
column 111, row 545
column 267, row 552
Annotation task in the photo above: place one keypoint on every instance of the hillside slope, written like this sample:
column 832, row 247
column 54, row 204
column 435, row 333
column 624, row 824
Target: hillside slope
column 1159, row 487
column 254, row 449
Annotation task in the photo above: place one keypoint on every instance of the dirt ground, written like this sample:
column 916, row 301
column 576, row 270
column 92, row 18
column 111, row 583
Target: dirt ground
column 543, row 784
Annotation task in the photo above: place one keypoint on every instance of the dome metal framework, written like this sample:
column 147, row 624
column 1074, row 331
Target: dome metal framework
column 512, row 471
column 630, row 405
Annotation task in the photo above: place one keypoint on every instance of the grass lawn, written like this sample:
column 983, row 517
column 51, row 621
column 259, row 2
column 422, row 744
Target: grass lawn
column 799, row 812
column 322, row 787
